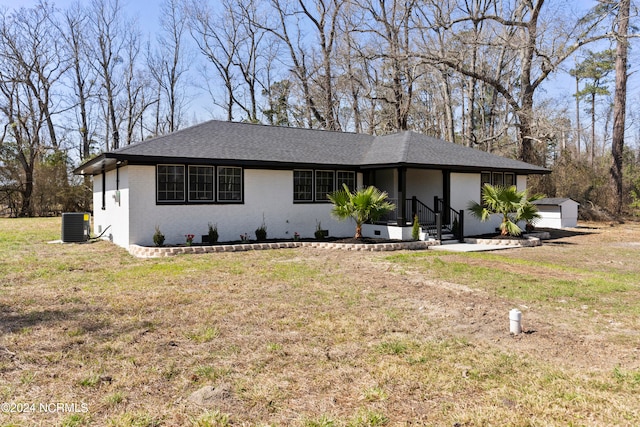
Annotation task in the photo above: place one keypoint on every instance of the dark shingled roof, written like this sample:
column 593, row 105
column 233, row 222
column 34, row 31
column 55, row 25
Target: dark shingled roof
column 254, row 144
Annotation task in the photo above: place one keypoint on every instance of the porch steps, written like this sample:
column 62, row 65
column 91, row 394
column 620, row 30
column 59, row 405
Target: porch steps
column 448, row 239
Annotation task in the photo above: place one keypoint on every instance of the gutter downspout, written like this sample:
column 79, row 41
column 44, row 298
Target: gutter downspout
column 104, row 189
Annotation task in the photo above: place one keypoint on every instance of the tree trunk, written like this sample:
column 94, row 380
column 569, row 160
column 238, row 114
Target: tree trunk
column 525, row 115
column 358, row 231
column 450, row 131
column 578, row 127
column 592, row 154
column 619, row 105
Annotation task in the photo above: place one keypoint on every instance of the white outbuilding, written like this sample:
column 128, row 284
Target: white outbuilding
column 557, row 212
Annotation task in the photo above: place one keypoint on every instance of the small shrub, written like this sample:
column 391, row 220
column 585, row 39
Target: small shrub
column 158, row 237
column 319, row 233
column 415, row 230
column 261, row 232
column 455, row 227
column 213, row 233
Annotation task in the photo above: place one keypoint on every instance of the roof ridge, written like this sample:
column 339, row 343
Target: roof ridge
column 155, row 138
column 227, row 122
column 293, row 127
column 406, row 139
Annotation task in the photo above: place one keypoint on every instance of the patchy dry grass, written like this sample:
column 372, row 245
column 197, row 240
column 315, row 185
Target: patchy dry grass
column 310, row 337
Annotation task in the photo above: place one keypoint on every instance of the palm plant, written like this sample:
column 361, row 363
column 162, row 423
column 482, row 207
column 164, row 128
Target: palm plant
column 362, row 205
column 512, row 204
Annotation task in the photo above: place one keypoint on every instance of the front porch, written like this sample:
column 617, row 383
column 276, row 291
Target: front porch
column 421, row 193
column 441, row 223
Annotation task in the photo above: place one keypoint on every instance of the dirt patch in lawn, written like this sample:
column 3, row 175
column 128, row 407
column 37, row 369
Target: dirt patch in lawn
column 576, row 338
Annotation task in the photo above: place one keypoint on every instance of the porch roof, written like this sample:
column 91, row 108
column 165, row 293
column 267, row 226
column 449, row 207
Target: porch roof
column 275, row 146
column 415, row 149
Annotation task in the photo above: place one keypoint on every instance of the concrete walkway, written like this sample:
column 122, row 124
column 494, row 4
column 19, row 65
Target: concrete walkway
column 470, row 247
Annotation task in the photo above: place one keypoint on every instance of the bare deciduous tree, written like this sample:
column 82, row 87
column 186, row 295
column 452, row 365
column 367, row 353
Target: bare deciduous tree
column 136, row 87
column 167, row 66
column 74, row 31
column 537, row 43
column 391, row 31
column 30, row 67
column 106, row 18
column 216, row 35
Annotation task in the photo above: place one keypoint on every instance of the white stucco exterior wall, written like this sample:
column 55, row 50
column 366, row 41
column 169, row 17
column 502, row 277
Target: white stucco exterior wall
column 268, row 192
column 465, row 187
column 115, row 214
column 133, row 219
column 425, row 184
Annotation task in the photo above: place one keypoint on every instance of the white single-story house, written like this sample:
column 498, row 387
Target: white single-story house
column 239, row 176
column 557, row 212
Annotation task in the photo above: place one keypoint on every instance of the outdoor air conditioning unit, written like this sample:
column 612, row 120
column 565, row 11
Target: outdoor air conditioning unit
column 76, row 227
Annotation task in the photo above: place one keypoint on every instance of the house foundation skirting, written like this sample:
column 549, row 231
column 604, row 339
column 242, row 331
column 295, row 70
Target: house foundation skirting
column 157, row 252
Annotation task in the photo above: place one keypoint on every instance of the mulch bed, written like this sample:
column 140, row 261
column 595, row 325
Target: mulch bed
column 351, row 240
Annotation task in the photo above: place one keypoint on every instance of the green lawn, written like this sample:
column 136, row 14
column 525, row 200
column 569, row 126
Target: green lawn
column 314, row 337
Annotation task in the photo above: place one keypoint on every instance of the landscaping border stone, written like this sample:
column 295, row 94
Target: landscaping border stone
column 526, row 242
column 164, row 251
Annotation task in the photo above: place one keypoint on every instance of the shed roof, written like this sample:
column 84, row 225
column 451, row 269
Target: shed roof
column 276, row 146
column 554, row 201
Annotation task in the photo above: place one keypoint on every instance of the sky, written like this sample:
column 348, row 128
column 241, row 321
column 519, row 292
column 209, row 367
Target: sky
column 145, row 10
